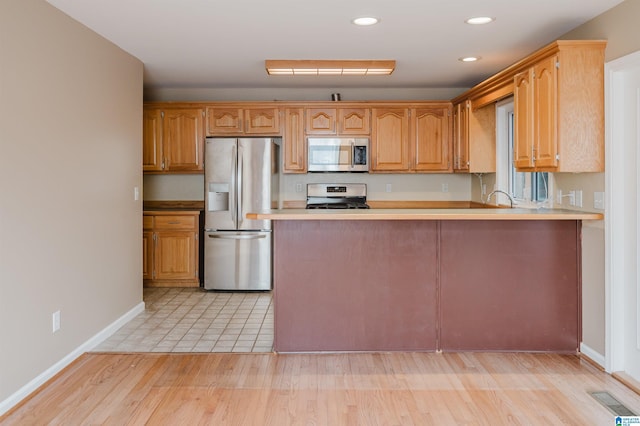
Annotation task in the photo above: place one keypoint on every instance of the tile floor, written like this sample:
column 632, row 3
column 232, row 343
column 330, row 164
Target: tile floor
column 194, row 320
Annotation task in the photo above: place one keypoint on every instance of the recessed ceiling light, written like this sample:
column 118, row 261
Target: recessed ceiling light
column 479, row 20
column 469, row 59
column 365, row 20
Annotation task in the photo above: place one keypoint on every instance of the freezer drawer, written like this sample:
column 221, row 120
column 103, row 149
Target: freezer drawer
column 237, row 260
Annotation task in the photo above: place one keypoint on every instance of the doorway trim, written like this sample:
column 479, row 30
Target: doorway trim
column 615, row 189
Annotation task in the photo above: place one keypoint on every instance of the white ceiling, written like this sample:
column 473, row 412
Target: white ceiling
column 223, row 44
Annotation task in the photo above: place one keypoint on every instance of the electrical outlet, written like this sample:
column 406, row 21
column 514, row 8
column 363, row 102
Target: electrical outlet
column 388, row 187
column 572, row 198
column 559, row 196
column 136, row 193
column 598, row 200
column 445, row 187
column 55, row 319
column 298, row 187
column 484, row 189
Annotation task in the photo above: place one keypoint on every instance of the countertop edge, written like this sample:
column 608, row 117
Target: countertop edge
column 426, row 214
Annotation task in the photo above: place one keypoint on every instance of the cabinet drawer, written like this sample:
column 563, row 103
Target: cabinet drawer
column 147, row 222
column 176, row 222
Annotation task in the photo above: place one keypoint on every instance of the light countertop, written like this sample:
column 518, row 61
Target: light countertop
column 427, row 214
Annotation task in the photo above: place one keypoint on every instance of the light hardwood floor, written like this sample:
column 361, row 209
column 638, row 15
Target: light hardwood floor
column 324, row 389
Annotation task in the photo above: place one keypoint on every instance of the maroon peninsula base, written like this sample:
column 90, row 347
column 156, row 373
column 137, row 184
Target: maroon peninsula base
column 426, row 285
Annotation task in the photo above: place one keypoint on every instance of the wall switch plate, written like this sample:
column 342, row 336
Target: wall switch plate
column 598, row 200
column 55, row 319
column 388, row 187
column 136, row 193
column 578, row 198
column 445, row 187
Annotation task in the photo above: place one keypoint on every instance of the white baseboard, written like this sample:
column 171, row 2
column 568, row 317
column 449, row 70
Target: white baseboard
column 94, row 341
column 592, row 354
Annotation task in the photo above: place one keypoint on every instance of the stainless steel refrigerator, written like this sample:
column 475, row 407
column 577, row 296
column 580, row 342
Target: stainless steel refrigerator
column 241, row 176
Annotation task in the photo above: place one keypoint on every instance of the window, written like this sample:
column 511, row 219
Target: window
column 528, row 189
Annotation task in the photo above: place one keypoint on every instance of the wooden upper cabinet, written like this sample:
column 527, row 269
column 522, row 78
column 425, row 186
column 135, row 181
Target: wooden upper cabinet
column 461, row 137
column 390, row 139
column 182, row 131
column 474, row 140
column 545, row 81
column 523, row 107
column 354, row 121
column 240, row 121
column 409, row 140
column 262, row 121
column 152, row 140
column 338, row 121
column 431, row 139
column 173, row 140
column 321, row 121
column 559, row 109
column 224, row 121
column 294, row 144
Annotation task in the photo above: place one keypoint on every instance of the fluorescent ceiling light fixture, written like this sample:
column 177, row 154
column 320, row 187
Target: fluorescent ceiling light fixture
column 365, row 20
column 480, row 20
column 329, row 67
column 469, row 59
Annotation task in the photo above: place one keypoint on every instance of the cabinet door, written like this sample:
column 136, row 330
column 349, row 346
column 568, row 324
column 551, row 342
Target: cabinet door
column 224, row 121
column 354, row 121
column 546, row 113
column 152, row 140
column 182, row 130
column 430, row 139
column 321, row 121
column 523, row 110
column 294, row 144
column 147, row 255
column 461, row 137
column 176, row 255
column 390, row 139
column 262, row 121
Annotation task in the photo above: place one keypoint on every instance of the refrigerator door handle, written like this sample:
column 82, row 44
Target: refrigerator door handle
column 240, row 179
column 232, row 191
column 238, row 236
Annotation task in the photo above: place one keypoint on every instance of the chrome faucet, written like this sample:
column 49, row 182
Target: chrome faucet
column 501, row 192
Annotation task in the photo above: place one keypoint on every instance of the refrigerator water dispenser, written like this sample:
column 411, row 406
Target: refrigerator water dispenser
column 218, row 197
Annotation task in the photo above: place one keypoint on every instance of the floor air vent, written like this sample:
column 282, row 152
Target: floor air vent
column 615, row 406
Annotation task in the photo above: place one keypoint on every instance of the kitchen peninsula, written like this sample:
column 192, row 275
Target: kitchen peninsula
column 427, row 279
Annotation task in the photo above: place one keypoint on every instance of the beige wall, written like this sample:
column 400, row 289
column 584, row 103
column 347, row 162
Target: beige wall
column 299, row 94
column 70, row 230
column 618, row 26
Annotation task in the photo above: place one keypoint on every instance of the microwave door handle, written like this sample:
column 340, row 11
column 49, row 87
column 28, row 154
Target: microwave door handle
column 353, row 154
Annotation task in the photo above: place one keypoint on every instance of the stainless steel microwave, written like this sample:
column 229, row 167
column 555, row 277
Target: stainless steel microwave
column 338, row 154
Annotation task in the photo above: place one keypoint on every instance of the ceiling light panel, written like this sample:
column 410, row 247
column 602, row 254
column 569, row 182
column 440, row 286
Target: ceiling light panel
column 329, row 67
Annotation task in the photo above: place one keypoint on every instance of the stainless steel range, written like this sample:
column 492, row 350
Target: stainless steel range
column 337, row 196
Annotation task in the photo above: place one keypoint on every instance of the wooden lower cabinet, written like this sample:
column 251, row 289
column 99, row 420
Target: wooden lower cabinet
column 170, row 256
